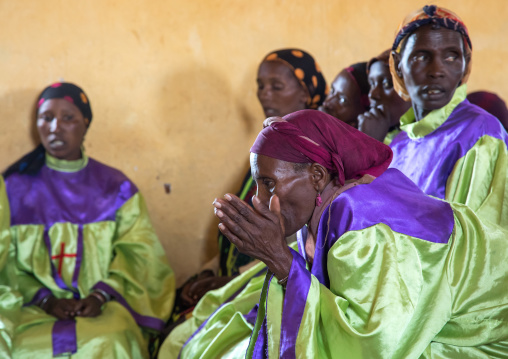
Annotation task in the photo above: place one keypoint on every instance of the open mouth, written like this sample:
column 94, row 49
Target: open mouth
column 270, row 111
column 56, row 143
column 433, row 91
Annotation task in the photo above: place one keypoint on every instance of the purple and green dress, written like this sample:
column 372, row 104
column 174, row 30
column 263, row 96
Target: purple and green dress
column 396, row 274
column 222, row 321
column 10, row 300
column 77, row 226
column 457, row 153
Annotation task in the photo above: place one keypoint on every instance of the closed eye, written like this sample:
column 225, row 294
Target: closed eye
column 278, row 86
column 268, row 184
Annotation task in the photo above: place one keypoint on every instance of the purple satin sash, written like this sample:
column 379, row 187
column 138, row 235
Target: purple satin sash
column 64, row 337
column 429, row 161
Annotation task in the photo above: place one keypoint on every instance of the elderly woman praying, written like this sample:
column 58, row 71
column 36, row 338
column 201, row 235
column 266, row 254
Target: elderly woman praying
column 382, row 270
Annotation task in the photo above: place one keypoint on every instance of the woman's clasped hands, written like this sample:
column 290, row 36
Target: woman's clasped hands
column 257, row 232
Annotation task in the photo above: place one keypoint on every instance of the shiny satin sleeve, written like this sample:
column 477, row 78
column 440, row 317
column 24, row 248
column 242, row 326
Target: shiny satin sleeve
column 480, row 180
column 139, row 276
column 478, row 277
column 391, row 296
column 10, row 300
column 373, row 305
column 221, row 323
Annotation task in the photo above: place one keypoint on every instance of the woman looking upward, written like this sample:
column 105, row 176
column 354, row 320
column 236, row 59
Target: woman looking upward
column 450, row 148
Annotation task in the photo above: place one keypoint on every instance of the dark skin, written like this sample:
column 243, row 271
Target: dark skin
column 63, row 308
column 194, row 290
column 344, row 100
column 62, row 128
column 284, row 203
column 432, row 64
column 279, row 93
column 386, row 105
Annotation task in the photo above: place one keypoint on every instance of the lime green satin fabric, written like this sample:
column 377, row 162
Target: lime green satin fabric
column 10, row 301
column 395, row 296
column 125, row 254
column 480, row 178
column 484, row 168
column 418, row 129
column 113, row 334
column 227, row 333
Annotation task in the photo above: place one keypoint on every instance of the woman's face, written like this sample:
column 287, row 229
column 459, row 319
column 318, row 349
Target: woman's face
column 344, row 100
column 432, row 65
column 279, row 91
column 61, row 127
column 294, row 188
column 383, row 94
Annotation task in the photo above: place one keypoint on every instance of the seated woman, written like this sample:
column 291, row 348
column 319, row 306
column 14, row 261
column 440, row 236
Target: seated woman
column 450, row 148
column 382, row 271
column 221, row 323
column 386, row 107
column 288, row 80
column 94, row 278
column 348, row 97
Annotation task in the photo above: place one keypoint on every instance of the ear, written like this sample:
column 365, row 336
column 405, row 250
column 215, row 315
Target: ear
column 87, row 126
column 467, row 60
column 304, row 96
column 319, row 176
column 396, row 62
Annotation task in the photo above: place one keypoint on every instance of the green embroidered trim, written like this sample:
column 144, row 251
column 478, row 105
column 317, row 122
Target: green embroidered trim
column 418, row 129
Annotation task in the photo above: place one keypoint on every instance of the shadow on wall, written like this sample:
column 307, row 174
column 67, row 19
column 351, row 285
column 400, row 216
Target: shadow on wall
column 18, row 112
column 248, row 104
column 204, row 131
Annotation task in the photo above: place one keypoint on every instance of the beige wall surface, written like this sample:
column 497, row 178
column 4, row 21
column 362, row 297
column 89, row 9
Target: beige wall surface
column 172, row 84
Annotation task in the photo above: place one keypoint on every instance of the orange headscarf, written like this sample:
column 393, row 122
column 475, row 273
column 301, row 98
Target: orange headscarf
column 429, row 14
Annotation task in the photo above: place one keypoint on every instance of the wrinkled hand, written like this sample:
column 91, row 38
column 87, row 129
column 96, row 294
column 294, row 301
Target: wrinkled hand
column 257, row 232
column 61, row 308
column 375, row 123
column 91, row 306
column 193, row 291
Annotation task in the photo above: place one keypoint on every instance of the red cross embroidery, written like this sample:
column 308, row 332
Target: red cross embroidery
column 61, row 256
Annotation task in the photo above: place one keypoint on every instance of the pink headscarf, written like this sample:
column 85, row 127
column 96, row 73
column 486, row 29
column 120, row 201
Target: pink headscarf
column 309, row 136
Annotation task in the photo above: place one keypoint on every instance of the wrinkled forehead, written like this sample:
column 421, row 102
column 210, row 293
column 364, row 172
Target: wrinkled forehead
column 431, row 36
column 265, row 166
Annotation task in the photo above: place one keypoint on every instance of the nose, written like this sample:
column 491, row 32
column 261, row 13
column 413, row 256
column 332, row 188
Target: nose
column 375, row 93
column 327, row 103
column 264, row 94
column 54, row 125
column 436, row 68
column 263, row 195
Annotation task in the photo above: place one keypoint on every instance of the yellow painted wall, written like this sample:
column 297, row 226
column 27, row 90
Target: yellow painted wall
column 172, row 84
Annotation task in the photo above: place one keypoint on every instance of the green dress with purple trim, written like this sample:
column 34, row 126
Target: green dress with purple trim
column 10, row 300
column 79, row 226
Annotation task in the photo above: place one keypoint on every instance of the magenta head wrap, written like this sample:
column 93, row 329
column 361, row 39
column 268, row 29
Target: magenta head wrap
column 309, row 136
